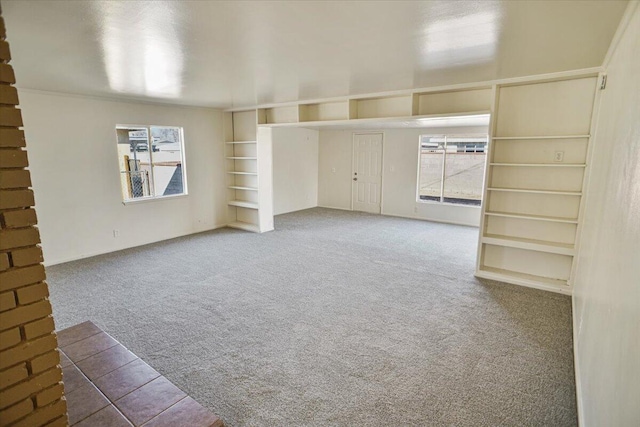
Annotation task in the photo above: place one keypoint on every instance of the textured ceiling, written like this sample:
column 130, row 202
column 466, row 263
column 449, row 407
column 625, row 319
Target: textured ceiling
column 232, row 54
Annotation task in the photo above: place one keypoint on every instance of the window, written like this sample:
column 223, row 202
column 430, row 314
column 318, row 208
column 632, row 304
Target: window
column 451, row 168
column 151, row 162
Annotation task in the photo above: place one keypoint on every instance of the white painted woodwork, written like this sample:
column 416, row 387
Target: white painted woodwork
column 606, row 296
column 534, row 204
column 394, row 106
column 454, row 101
column 540, row 151
column 367, row 172
column 249, row 173
column 243, row 54
column 537, row 165
column 324, row 111
column 532, row 262
column 553, row 108
column 284, row 114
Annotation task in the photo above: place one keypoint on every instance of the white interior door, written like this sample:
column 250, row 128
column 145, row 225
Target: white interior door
column 367, row 172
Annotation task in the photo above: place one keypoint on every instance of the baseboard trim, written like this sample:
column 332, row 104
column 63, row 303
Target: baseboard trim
column 77, row 258
column 576, row 364
column 466, row 224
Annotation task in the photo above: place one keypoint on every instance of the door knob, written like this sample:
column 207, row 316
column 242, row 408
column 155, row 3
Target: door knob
column 355, row 179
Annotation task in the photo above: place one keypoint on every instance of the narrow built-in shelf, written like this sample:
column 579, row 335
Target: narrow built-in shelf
column 522, row 278
column 243, row 204
column 523, row 190
column 244, row 226
column 534, row 217
column 542, row 137
column 542, row 165
column 530, row 244
column 236, row 187
column 240, row 142
column 242, row 173
column 241, row 158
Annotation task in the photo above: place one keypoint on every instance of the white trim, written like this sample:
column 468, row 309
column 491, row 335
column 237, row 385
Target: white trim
column 521, row 282
column 49, row 263
column 153, row 199
column 561, row 75
column 334, row 207
column 441, row 221
column 576, row 362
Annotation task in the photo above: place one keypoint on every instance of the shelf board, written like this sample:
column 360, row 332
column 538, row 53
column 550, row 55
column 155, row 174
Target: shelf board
column 534, row 217
column 527, row 190
column 540, row 137
column 541, row 165
column 243, row 204
column 240, row 142
column 530, row 280
column 242, row 173
column 244, row 226
column 241, row 158
column 236, row 187
column 356, row 121
column 530, row 244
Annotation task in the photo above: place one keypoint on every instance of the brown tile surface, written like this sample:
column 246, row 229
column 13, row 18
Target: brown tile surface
column 126, row 379
column 87, row 347
column 77, row 333
column 108, row 417
column 186, row 412
column 106, row 361
column 73, row 378
column 83, row 402
column 149, row 400
column 64, row 360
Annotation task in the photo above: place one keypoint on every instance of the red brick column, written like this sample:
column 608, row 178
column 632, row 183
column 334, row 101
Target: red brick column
column 31, row 389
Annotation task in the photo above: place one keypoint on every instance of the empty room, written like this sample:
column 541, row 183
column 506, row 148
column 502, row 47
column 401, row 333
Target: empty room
column 319, row 213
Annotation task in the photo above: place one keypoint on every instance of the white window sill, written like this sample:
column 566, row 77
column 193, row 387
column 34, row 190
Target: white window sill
column 433, row 202
column 152, row 199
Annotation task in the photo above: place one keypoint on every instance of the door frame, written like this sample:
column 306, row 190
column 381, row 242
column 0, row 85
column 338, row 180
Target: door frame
column 353, row 158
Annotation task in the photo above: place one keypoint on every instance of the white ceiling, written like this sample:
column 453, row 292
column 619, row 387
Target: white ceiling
column 244, row 53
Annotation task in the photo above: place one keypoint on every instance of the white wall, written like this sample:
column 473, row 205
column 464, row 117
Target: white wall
column 400, row 169
column 295, row 169
column 607, row 282
column 74, row 168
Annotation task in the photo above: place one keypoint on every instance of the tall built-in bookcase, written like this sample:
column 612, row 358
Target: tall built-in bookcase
column 249, row 174
column 534, row 181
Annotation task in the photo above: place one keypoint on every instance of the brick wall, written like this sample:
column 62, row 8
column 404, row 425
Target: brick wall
column 31, row 390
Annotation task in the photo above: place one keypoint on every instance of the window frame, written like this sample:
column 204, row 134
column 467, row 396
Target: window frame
column 443, row 173
column 155, row 197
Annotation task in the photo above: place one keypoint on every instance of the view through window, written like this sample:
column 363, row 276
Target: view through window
column 151, row 161
column 451, row 168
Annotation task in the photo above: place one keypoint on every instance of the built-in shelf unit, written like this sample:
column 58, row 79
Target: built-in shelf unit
column 248, row 158
column 536, row 168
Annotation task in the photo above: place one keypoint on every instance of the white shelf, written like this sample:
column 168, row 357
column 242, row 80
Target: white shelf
column 530, row 244
column 244, row 226
column 241, row 158
column 541, row 137
column 522, row 190
column 243, row 204
column 530, row 280
column 242, row 173
column 541, row 165
column 534, row 217
column 240, row 142
column 236, row 187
